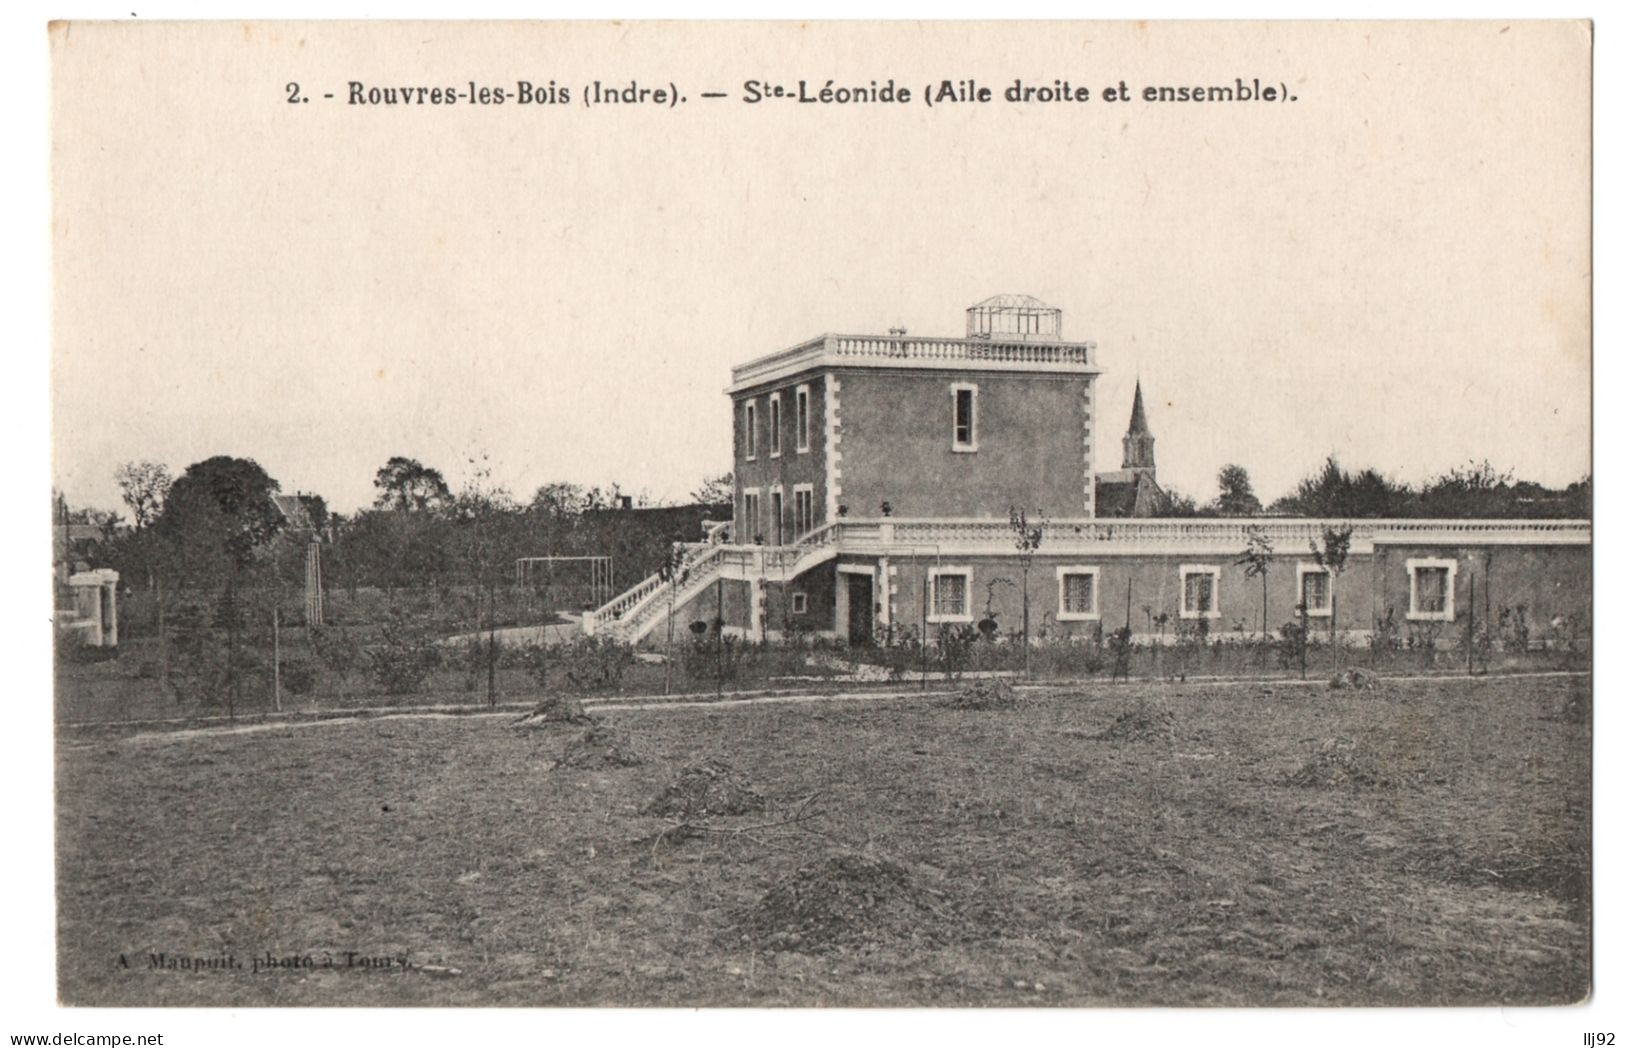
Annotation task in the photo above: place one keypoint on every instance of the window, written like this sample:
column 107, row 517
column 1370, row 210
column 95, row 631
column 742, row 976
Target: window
column 750, row 429
column 803, row 509
column 802, row 397
column 1433, row 589
column 1199, row 591
column 950, row 595
column 1314, row 589
column 964, row 416
column 752, row 516
column 1078, row 595
column 775, row 504
column 773, row 447
column 798, row 604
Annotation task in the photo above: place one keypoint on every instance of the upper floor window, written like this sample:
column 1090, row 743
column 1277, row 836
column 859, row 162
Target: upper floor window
column 1433, row 588
column 965, row 420
column 803, row 397
column 750, row 429
column 1199, row 591
column 774, row 448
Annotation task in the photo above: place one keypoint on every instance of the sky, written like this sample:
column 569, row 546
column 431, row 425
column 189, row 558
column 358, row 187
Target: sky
column 1394, row 268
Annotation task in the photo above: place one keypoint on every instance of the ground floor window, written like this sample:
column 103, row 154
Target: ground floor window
column 1314, row 589
column 798, row 603
column 1199, row 591
column 752, row 518
column 950, row 595
column 1078, row 593
column 1433, row 588
column 803, row 509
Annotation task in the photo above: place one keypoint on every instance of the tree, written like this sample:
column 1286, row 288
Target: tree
column 715, row 490
column 1332, row 491
column 1333, row 555
column 1029, row 536
column 1477, row 489
column 559, row 500
column 1178, row 504
column 144, row 486
column 1256, row 559
column 1236, row 498
column 219, row 514
column 407, row 484
column 215, row 522
column 480, row 510
column 674, row 572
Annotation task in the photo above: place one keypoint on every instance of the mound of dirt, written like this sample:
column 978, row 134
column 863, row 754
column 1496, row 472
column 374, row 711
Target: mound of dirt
column 992, row 694
column 710, row 787
column 1338, row 762
column 553, row 710
column 1142, row 722
column 1356, row 679
column 844, row 899
column 601, row 746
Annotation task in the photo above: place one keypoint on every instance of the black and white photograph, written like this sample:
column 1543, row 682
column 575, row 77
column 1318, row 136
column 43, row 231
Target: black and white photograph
column 780, row 515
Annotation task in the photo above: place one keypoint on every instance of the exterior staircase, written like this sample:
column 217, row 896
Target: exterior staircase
column 637, row 613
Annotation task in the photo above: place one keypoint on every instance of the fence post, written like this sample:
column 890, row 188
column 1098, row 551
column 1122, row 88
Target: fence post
column 1472, row 638
column 1333, row 637
column 1303, row 639
column 276, row 658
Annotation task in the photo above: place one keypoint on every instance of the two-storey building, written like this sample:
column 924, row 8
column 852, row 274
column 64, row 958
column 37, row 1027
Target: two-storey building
column 875, row 478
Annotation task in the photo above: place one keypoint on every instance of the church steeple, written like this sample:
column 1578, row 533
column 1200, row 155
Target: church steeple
column 1138, row 443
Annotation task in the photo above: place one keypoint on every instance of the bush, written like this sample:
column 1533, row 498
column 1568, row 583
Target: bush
column 403, row 660
column 72, row 649
column 595, row 663
column 339, row 652
column 298, row 677
column 534, row 659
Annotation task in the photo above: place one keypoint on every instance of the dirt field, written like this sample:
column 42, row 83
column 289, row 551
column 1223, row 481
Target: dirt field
column 1411, row 843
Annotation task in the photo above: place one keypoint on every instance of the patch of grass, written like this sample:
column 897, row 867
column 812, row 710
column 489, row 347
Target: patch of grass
column 1033, row 853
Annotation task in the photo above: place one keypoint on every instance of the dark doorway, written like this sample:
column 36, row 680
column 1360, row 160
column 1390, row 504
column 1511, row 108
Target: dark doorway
column 860, row 604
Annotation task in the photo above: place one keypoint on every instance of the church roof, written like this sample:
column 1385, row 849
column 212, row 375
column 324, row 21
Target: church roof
column 1137, row 424
column 1128, row 493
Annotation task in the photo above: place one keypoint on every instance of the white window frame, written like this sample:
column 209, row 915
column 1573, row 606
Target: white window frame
column 970, row 591
column 750, row 430
column 798, row 603
column 1061, row 614
column 1186, row 570
column 799, row 527
column 775, row 424
column 803, row 417
column 1305, row 569
column 955, row 389
column 750, row 516
column 1449, row 612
